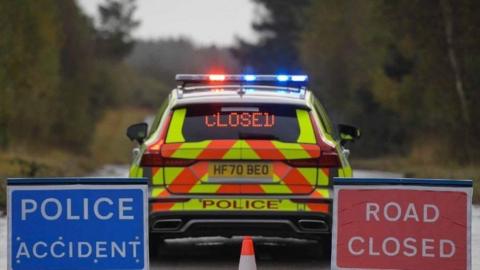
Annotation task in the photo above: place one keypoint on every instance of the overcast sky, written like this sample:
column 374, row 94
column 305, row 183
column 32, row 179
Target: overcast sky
column 206, row 22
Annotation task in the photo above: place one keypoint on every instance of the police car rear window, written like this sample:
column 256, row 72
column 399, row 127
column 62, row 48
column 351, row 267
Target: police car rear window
column 256, row 122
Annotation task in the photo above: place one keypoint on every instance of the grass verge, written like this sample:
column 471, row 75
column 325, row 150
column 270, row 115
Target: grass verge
column 110, row 146
column 110, row 143
column 419, row 169
column 21, row 163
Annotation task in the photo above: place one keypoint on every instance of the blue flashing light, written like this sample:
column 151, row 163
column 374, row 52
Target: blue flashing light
column 249, row 78
column 299, row 78
column 282, row 78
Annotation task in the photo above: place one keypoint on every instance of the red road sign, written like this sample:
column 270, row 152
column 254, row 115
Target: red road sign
column 401, row 227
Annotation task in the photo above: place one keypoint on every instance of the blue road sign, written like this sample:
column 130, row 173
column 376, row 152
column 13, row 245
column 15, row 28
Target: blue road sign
column 65, row 224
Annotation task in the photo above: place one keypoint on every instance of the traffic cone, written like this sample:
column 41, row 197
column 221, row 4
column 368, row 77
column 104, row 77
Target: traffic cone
column 247, row 258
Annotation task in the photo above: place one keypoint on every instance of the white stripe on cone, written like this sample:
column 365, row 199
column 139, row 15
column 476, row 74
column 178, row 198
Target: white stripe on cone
column 247, row 257
column 247, row 263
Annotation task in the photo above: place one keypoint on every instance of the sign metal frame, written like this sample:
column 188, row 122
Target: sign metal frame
column 400, row 184
column 60, row 183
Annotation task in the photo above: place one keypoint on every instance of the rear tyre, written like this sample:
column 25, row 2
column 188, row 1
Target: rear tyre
column 156, row 245
column 325, row 247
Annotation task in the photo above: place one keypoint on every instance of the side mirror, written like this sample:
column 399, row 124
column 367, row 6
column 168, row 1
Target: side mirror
column 348, row 133
column 137, row 132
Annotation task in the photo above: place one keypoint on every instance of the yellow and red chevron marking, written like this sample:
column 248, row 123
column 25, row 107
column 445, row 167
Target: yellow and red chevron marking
column 319, row 194
column 194, row 179
column 164, row 206
column 188, row 178
column 285, row 180
column 265, row 150
column 216, row 149
column 319, row 207
column 240, row 149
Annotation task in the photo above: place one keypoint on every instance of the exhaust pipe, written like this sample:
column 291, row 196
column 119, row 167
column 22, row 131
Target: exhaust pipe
column 167, row 225
column 312, row 225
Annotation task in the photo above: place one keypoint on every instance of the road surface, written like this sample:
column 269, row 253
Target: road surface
column 222, row 253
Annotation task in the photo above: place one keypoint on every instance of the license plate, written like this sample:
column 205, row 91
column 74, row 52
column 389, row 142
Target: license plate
column 242, row 170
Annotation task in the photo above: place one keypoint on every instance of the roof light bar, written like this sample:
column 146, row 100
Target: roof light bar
column 300, row 80
column 216, row 77
column 249, row 78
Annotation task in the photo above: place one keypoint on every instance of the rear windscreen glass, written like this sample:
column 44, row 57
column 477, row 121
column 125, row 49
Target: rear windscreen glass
column 262, row 122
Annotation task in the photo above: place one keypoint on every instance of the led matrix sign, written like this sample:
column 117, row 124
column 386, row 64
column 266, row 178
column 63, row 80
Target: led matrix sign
column 240, row 119
column 239, row 122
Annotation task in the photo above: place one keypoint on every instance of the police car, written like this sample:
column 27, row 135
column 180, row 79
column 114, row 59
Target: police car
column 241, row 155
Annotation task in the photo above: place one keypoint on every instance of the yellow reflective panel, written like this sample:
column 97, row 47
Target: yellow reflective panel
column 204, row 188
column 235, row 151
column 324, row 192
column 171, row 173
column 291, row 150
column 310, row 175
column 155, row 192
column 235, row 204
column 190, row 150
column 204, row 178
column 276, row 178
column 157, row 179
column 323, row 179
column 247, row 151
column 307, row 135
column 276, row 189
column 246, row 204
column 175, row 134
column 177, row 207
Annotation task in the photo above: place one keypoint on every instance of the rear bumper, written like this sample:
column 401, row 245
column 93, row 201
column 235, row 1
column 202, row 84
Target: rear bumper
column 177, row 224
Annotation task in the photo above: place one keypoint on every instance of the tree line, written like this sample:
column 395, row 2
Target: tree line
column 161, row 59
column 59, row 71
column 406, row 72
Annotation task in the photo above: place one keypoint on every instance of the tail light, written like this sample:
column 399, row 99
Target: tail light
column 328, row 154
column 156, row 160
column 326, row 160
column 153, row 158
column 310, row 162
column 329, row 159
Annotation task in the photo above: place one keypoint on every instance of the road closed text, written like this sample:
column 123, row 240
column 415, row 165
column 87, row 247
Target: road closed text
column 397, row 246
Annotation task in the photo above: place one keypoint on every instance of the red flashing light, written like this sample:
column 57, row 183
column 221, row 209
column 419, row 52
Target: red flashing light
column 216, row 77
column 217, row 90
